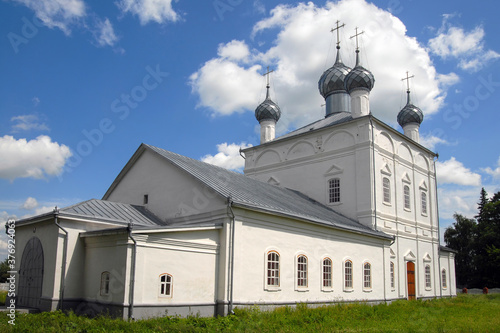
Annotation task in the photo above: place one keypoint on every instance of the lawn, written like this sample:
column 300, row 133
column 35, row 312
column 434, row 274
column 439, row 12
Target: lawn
column 465, row 313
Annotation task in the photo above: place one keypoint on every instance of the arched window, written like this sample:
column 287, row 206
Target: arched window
column 273, row 269
column 387, row 190
column 327, row 273
column 406, row 192
column 443, row 278
column 348, row 274
column 428, row 277
column 334, row 190
column 367, row 275
column 105, row 283
column 392, row 275
column 423, row 201
column 166, row 282
column 301, row 271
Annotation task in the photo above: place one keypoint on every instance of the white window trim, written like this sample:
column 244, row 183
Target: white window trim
column 296, row 269
column 422, row 193
column 444, row 282
column 351, row 288
column 387, row 203
column 392, row 275
column 268, row 287
column 328, row 191
column 323, row 288
column 171, row 285
column 408, row 209
column 427, row 287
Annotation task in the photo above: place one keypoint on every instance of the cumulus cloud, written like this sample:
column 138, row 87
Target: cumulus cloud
column 458, row 200
column 57, row 13
column 298, row 54
column 159, row 11
column 228, row 156
column 454, row 172
column 466, row 46
column 30, row 203
column 28, row 122
column 495, row 173
column 36, row 158
column 431, row 141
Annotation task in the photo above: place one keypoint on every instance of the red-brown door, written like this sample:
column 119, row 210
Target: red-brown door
column 410, row 277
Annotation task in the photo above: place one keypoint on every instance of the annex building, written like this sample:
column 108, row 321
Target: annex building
column 343, row 209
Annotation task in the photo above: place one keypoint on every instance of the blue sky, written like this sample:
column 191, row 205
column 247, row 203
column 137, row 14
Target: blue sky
column 85, row 82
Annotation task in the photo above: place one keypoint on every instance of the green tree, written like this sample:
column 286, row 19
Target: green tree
column 4, row 268
column 461, row 238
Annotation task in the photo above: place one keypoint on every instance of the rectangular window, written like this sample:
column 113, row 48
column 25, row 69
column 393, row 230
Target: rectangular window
column 105, row 283
column 301, row 271
column 273, row 269
column 406, row 192
column 367, row 276
column 424, row 203
column 387, row 190
column 428, row 277
column 443, row 278
column 146, row 199
column 348, row 274
column 327, row 273
column 392, row 275
column 334, row 190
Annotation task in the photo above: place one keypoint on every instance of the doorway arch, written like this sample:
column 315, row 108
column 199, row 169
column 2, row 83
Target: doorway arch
column 31, row 275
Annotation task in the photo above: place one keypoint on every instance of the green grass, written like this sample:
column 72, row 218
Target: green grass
column 3, row 296
column 465, row 313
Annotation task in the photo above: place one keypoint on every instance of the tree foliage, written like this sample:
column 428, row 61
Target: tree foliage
column 477, row 244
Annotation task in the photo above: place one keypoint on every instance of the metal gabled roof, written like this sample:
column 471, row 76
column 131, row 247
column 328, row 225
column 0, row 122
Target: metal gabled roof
column 254, row 194
column 112, row 211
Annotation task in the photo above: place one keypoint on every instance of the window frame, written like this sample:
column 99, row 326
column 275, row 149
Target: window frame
column 169, row 281
column 367, row 276
column 428, row 277
column 326, row 276
column 105, row 281
column 334, row 194
column 276, row 270
column 386, row 190
column 423, row 203
column 392, row 275
column 444, row 279
column 348, row 287
column 406, row 197
column 301, row 272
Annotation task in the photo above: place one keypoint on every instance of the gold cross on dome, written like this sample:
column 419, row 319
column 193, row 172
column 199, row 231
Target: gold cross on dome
column 338, row 30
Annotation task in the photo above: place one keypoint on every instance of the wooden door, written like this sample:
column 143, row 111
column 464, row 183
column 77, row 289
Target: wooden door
column 410, row 277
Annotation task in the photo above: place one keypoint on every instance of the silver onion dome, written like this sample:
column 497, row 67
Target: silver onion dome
column 267, row 110
column 333, row 78
column 359, row 77
column 410, row 114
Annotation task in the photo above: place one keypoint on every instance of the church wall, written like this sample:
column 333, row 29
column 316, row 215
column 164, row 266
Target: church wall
column 171, row 192
column 328, row 153
column 47, row 233
column 257, row 234
column 447, row 262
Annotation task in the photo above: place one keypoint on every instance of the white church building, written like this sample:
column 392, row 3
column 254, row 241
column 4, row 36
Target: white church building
column 341, row 210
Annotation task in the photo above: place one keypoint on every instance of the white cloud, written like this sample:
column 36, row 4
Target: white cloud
column 105, row 34
column 36, row 158
column 298, row 54
column 430, row 141
column 57, row 13
column 30, row 204
column 454, row 172
column 466, row 46
column 228, row 156
column 158, row 11
column 495, row 173
column 28, row 122
column 234, row 50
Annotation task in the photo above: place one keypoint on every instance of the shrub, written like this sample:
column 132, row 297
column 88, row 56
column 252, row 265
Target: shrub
column 485, row 290
column 464, row 290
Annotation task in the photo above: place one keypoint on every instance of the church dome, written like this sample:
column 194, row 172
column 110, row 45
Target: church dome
column 333, row 78
column 359, row 78
column 410, row 114
column 267, row 110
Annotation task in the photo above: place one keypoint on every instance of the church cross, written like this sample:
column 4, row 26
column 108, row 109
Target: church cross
column 267, row 75
column 407, row 78
column 338, row 30
column 356, row 35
